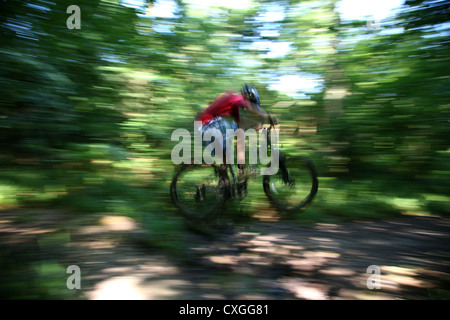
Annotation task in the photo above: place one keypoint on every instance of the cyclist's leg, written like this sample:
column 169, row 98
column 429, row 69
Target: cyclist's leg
column 218, row 123
column 242, row 175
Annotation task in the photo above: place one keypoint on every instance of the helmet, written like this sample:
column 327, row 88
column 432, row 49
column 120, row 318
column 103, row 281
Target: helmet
column 250, row 93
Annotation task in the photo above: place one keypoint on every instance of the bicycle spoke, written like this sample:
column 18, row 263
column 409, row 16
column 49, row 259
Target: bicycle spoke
column 195, row 190
column 293, row 189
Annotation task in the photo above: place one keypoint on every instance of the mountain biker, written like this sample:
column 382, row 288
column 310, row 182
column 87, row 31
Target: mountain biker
column 225, row 113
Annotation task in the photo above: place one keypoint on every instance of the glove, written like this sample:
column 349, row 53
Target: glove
column 273, row 120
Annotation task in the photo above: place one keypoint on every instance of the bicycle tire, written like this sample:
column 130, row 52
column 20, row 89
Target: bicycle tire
column 196, row 208
column 297, row 196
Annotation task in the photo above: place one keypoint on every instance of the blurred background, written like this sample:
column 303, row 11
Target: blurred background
column 86, row 115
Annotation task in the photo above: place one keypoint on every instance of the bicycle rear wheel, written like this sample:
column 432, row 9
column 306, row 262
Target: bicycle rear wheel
column 197, row 191
column 294, row 189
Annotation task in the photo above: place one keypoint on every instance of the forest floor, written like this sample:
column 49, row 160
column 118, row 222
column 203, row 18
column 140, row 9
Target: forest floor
column 254, row 260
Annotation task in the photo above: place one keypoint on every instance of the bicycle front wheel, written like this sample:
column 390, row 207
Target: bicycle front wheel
column 196, row 190
column 292, row 189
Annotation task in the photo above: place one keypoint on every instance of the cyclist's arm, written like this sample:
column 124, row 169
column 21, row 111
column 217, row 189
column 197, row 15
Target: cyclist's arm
column 262, row 114
column 258, row 111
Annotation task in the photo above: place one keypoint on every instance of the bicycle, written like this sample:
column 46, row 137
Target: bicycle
column 201, row 190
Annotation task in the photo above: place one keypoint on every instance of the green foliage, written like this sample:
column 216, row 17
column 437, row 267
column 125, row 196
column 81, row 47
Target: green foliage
column 86, row 115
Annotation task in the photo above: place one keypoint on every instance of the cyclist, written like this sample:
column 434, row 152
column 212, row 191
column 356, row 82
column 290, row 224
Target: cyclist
column 225, row 113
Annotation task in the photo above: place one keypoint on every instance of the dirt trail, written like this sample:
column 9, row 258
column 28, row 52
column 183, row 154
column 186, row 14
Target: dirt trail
column 281, row 260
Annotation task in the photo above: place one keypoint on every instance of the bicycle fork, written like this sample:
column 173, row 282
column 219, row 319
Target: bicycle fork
column 285, row 174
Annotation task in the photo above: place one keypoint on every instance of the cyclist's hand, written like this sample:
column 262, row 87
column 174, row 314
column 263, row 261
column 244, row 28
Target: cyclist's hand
column 273, row 120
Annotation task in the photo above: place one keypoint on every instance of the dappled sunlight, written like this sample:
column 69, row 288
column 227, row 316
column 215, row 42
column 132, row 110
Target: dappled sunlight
column 87, row 113
column 329, row 261
column 302, row 289
column 133, row 288
column 118, row 288
column 277, row 260
column 118, row 223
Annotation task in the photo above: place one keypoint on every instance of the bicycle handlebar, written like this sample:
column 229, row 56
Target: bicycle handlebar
column 272, row 120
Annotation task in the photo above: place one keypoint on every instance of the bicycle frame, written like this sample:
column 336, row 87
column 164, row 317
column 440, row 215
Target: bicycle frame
column 234, row 182
column 230, row 186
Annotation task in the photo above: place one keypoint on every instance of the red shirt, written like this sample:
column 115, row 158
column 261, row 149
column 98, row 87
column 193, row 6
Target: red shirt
column 227, row 104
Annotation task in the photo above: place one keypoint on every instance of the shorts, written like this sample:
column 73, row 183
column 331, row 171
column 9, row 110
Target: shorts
column 222, row 125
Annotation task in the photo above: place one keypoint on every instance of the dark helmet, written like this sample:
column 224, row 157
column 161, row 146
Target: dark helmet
column 250, row 93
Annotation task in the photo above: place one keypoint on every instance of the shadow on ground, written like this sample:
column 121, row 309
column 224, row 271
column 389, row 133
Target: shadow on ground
column 278, row 260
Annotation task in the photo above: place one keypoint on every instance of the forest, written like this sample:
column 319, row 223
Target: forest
column 90, row 98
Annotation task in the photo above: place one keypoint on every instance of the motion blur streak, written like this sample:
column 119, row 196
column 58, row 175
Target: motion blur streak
column 86, row 117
